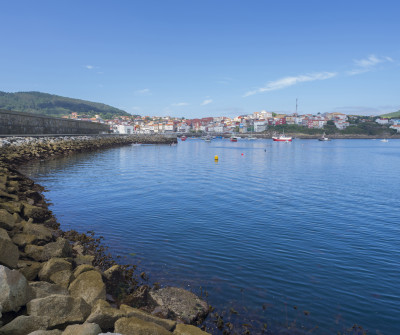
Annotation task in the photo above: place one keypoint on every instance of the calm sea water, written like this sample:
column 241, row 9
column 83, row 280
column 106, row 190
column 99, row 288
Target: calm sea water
column 268, row 227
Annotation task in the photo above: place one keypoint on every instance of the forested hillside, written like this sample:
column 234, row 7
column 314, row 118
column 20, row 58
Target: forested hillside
column 54, row 105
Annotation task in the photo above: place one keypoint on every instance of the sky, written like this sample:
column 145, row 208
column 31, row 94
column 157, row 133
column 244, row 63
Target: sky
column 199, row 58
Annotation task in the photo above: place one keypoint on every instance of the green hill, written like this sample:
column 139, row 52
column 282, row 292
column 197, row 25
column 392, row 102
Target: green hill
column 54, row 105
column 391, row 115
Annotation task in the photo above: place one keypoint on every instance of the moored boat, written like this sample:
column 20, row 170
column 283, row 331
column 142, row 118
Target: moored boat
column 323, row 138
column 233, row 139
column 282, row 138
column 183, row 138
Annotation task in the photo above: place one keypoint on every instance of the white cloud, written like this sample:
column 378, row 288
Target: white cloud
column 142, row 92
column 179, row 104
column 367, row 64
column 290, row 81
column 89, row 67
column 206, row 102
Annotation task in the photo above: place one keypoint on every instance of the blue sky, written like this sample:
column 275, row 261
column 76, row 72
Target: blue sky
column 197, row 58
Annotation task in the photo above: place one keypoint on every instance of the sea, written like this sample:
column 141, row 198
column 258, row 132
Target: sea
column 297, row 238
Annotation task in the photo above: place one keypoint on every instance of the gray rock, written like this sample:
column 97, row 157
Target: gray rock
column 88, row 285
column 14, row 289
column 62, row 310
column 130, row 311
column 84, row 259
column 61, row 249
column 84, row 329
column 23, row 325
column 52, row 266
column 182, row 329
column 62, row 278
column 29, row 269
column 43, row 289
column 9, row 253
column 184, row 305
column 135, row 326
column 7, row 220
column 104, row 315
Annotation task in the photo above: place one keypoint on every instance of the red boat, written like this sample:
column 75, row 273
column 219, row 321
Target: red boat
column 282, row 138
column 233, row 139
column 183, row 138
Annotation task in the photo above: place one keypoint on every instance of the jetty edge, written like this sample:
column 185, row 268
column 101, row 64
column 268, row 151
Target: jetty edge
column 54, row 282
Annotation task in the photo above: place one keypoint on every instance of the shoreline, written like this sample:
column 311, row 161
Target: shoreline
column 64, row 281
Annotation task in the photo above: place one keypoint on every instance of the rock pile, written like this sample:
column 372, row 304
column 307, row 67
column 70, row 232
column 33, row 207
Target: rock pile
column 49, row 286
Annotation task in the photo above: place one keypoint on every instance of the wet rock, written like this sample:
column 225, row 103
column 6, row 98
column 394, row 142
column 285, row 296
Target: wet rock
column 34, row 252
column 114, row 280
column 185, row 305
column 14, row 290
column 84, row 329
column 140, row 298
column 135, row 326
column 42, row 289
column 38, row 214
column 35, row 196
column 182, row 329
column 41, row 232
column 7, row 220
column 61, row 249
column 9, row 253
column 29, row 269
column 23, row 325
column 23, row 239
column 88, row 285
column 104, row 315
column 130, row 311
column 62, row 310
column 52, row 266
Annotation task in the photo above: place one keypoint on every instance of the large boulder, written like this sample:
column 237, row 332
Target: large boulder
column 14, row 290
column 88, row 285
column 84, row 329
column 7, row 220
column 34, row 252
column 84, row 259
column 61, row 309
column 62, row 278
column 12, row 206
column 182, row 329
column 135, row 326
column 46, row 332
column 23, row 325
column 140, row 298
column 180, row 304
column 22, row 240
column 61, row 249
column 52, row 266
column 41, row 289
column 9, row 253
column 130, row 311
column 82, row 268
column 104, row 315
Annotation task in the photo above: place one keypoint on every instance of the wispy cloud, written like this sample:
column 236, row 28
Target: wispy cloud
column 143, row 92
column 290, row 81
column 367, row 64
column 179, row 104
column 89, row 67
column 206, row 102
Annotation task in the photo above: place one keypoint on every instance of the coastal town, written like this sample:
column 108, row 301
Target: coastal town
column 258, row 122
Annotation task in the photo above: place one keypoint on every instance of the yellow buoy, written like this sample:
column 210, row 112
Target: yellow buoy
column 216, row 157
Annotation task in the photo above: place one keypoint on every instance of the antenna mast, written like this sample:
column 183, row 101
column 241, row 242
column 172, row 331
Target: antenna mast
column 296, row 105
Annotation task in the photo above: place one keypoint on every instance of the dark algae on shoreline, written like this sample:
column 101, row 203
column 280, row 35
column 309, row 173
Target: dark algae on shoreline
column 74, row 270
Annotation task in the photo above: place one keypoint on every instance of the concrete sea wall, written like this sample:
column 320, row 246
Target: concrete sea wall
column 17, row 123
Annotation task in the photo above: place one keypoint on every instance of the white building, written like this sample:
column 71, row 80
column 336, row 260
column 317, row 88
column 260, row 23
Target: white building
column 124, row 129
column 260, row 126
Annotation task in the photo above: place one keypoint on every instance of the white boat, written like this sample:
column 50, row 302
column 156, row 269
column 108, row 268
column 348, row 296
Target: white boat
column 384, row 140
column 207, row 139
column 282, row 138
column 323, row 138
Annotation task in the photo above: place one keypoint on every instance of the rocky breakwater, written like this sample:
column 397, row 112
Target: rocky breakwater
column 54, row 282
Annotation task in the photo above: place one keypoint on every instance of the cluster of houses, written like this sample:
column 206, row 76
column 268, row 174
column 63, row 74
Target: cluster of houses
column 256, row 122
